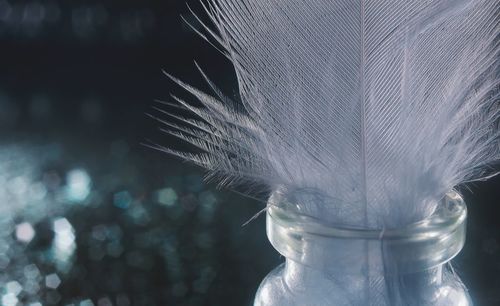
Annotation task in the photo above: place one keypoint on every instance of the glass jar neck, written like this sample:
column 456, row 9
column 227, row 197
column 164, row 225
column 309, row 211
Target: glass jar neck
column 418, row 247
column 404, row 266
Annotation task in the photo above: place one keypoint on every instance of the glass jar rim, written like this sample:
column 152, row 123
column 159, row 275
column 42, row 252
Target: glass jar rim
column 447, row 217
column 415, row 247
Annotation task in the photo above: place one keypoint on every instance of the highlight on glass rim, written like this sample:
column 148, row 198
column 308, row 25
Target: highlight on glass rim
column 249, row 152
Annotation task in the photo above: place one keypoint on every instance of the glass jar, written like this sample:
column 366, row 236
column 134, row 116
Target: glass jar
column 328, row 265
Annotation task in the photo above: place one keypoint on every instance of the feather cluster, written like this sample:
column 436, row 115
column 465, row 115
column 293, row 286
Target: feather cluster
column 378, row 108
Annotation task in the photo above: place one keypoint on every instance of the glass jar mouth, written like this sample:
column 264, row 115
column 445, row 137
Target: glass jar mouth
column 416, row 247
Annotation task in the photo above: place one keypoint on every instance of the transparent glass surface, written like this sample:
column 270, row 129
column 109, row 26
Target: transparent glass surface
column 328, row 265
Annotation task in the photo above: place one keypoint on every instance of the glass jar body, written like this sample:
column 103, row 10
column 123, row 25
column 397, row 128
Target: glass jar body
column 294, row 284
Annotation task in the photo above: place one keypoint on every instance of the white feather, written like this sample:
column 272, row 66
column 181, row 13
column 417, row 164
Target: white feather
column 381, row 107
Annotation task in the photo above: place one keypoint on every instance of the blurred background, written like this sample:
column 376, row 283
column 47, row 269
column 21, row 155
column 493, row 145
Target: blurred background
column 89, row 215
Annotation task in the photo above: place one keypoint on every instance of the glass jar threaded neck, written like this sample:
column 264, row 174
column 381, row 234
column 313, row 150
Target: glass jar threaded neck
column 352, row 266
column 416, row 247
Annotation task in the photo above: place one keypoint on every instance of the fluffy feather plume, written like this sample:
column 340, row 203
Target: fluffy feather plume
column 378, row 108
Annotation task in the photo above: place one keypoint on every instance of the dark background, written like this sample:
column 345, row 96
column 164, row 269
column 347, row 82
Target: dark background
column 76, row 80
